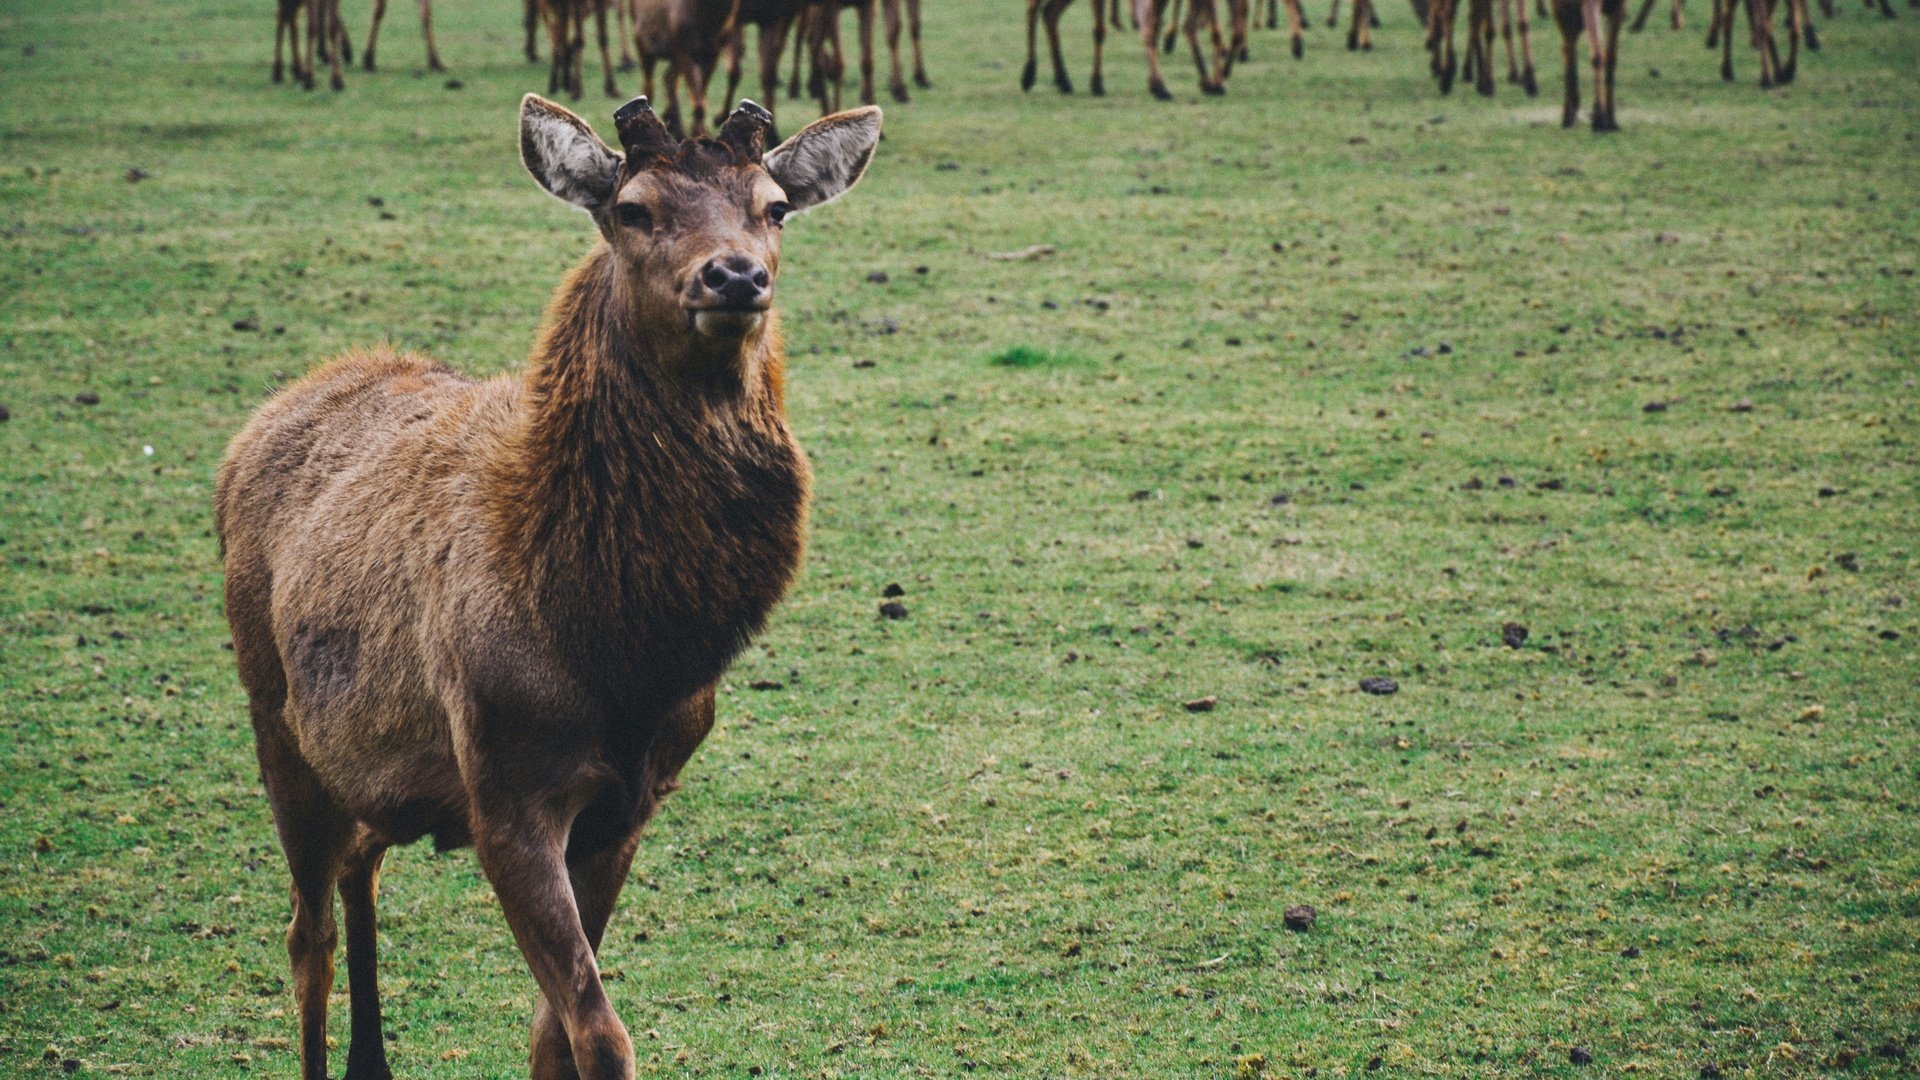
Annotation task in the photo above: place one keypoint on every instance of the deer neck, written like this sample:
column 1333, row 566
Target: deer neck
column 653, row 500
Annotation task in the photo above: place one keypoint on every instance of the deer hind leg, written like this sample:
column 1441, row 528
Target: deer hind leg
column 606, row 57
column 373, row 33
column 1173, row 28
column 1148, row 13
column 359, row 886
column 1360, row 36
column 891, row 20
column 1198, row 12
column 1050, row 15
column 624, row 20
column 1483, row 36
column 1528, row 81
column 529, row 16
column 426, row 31
column 864, row 11
column 772, row 45
column 313, row 834
column 1640, row 20
column 1567, row 14
column 1333, row 14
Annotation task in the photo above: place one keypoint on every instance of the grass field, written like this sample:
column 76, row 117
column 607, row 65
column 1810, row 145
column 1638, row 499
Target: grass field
column 1330, row 379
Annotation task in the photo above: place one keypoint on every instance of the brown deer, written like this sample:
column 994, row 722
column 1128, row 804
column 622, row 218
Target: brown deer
column 566, row 23
column 1600, row 20
column 286, row 27
column 689, row 35
column 495, row 611
column 1049, row 11
column 426, row 30
column 1201, row 14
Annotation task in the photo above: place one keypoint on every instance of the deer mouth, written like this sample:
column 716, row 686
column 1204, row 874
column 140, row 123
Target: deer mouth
column 726, row 320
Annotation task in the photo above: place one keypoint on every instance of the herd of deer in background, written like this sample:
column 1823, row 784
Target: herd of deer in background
column 692, row 38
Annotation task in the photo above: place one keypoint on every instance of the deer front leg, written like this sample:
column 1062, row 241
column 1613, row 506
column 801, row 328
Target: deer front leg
column 523, row 851
column 426, row 31
column 596, row 881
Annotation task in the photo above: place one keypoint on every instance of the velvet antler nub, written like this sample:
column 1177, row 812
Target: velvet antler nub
column 642, row 134
column 746, row 129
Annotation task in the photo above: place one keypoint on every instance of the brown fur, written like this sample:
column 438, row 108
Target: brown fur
column 689, row 35
column 495, row 611
column 566, row 24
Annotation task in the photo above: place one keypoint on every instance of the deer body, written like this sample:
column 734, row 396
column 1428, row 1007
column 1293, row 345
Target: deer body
column 494, row 611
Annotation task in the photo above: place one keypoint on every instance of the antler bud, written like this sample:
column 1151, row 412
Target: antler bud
column 641, row 132
column 746, row 129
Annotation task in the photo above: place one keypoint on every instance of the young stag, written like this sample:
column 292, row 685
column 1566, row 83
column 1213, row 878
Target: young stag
column 495, row 611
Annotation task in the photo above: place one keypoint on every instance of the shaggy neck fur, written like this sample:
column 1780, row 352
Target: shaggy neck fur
column 653, row 501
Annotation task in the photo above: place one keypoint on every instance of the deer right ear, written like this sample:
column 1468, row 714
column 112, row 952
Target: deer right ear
column 564, row 154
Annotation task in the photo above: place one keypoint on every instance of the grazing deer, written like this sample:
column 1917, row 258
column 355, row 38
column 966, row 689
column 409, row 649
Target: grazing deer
column 426, row 30
column 1773, row 71
column 1600, row 20
column 496, row 611
column 1048, row 11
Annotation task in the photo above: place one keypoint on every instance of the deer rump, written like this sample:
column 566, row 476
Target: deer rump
column 494, row 611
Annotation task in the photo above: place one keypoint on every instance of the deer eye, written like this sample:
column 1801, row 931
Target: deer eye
column 634, row 216
column 777, row 213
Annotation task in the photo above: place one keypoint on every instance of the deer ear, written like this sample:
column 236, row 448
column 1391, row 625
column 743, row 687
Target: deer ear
column 825, row 158
column 564, row 154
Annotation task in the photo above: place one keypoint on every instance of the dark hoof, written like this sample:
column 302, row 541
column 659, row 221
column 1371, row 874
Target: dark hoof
column 1027, row 76
column 1569, row 118
column 1367, row 45
column 1213, row 89
column 1244, row 56
column 1813, row 39
column 920, row 80
column 626, row 64
column 1159, row 90
column 1353, row 41
column 278, row 75
column 899, row 91
column 1484, row 86
column 366, row 61
column 1098, row 87
column 1529, row 84
column 1063, row 84
column 1726, row 72
column 1299, row 47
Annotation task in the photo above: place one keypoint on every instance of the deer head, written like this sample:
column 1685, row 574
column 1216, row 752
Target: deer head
column 694, row 225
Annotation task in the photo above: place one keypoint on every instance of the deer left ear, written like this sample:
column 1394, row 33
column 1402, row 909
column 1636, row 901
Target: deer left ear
column 564, row 154
column 825, row 158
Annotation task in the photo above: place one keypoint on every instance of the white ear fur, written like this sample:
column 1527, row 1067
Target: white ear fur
column 564, row 154
column 828, row 156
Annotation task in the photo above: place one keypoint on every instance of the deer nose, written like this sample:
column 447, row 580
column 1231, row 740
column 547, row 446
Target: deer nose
column 737, row 280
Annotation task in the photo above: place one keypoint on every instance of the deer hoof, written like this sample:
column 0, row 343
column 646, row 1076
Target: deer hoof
column 1063, row 84
column 1299, row 47
column 338, row 83
column 1529, row 83
column 1027, row 76
column 920, row 80
column 1097, row 87
column 899, row 91
column 1213, row 89
column 1159, row 90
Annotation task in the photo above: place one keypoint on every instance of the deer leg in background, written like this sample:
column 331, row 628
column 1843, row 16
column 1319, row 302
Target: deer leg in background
column 671, row 118
column 1360, row 35
column 528, row 18
column 864, row 9
column 1333, row 14
column 734, row 48
column 772, row 44
column 919, row 59
column 337, row 47
column 1597, row 52
column 283, row 29
column 1614, row 12
column 1297, row 26
column 1769, row 43
column 1505, row 11
column 1147, row 13
column 1467, row 66
column 1031, row 73
column 1237, row 19
column 1482, row 21
column 1567, row 15
column 359, row 889
column 373, row 33
column 1792, row 65
column 1173, row 17
column 1200, row 12
column 696, row 76
column 606, row 57
column 802, row 27
column 624, row 21
column 890, row 15
column 1051, row 15
column 1640, row 20
column 1528, row 81
column 1097, row 86
column 1806, row 25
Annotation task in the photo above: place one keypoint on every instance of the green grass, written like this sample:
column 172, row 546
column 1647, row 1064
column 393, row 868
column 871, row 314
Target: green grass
column 1365, row 375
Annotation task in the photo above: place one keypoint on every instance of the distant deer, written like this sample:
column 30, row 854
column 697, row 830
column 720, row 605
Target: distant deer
column 566, row 23
column 690, row 36
column 1600, row 21
column 1773, row 71
column 1049, row 11
column 286, row 27
column 1201, row 14
column 496, row 611
column 426, row 31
